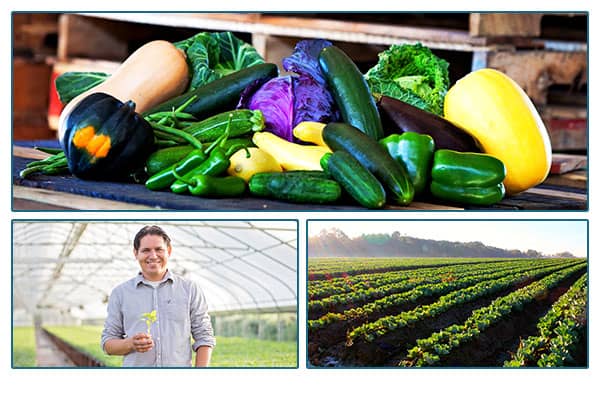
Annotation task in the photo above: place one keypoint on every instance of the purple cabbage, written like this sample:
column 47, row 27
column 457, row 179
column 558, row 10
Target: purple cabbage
column 276, row 101
column 304, row 61
column 285, row 101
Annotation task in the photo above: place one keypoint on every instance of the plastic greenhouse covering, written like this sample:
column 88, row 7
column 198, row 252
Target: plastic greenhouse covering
column 71, row 267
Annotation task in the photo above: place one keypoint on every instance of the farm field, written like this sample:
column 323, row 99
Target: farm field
column 395, row 312
column 230, row 351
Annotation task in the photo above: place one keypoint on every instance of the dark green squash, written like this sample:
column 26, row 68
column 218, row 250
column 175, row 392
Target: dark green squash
column 105, row 139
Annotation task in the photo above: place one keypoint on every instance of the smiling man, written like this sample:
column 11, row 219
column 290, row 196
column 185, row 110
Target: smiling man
column 181, row 312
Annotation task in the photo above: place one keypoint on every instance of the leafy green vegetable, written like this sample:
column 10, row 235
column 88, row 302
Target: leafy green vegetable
column 213, row 55
column 411, row 73
column 149, row 318
column 70, row 84
column 210, row 56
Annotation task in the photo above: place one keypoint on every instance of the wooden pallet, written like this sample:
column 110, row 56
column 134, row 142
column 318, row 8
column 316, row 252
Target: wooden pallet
column 34, row 34
column 510, row 42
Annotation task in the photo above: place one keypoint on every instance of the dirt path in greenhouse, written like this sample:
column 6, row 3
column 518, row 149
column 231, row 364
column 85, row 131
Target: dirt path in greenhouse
column 47, row 354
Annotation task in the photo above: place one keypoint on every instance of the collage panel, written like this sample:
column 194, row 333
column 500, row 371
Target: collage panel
column 155, row 294
column 447, row 294
column 306, row 111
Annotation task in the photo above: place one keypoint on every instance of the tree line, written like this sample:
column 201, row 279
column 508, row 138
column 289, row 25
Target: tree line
column 335, row 243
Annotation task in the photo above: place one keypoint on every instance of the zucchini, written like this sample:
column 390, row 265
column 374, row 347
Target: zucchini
column 295, row 187
column 374, row 157
column 166, row 157
column 351, row 92
column 219, row 95
column 242, row 121
column 355, row 179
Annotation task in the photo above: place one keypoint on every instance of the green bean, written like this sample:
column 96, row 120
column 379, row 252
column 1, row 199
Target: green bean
column 178, row 133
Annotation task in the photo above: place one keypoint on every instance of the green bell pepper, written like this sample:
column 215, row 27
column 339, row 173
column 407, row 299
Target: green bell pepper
column 471, row 178
column 467, row 169
column 415, row 151
column 481, row 196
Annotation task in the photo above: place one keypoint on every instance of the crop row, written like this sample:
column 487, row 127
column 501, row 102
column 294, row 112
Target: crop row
column 325, row 288
column 328, row 269
column 384, row 325
column 430, row 351
column 381, row 287
column 559, row 331
column 410, row 296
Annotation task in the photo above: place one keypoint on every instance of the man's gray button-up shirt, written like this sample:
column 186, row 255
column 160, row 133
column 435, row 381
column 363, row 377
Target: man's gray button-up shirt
column 181, row 312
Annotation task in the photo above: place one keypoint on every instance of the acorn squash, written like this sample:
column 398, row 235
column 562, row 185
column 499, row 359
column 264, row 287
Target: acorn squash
column 105, row 139
column 496, row 111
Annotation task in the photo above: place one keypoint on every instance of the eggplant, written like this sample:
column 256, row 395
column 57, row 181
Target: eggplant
column 399, row 117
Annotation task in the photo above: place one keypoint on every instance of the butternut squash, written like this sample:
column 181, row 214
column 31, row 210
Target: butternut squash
column 152, row 74
column 497, row 112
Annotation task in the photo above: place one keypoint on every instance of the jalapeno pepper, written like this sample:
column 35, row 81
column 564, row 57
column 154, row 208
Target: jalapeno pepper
column 469, row 178
column 166, row 177
column 214, row 186
column 415, row 151
column 216, row 163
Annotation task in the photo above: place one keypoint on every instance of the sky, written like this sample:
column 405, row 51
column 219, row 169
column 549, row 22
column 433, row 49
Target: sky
column 548, row 237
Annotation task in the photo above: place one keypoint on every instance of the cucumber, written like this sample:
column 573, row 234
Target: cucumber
column 313, row 173
column 374, row 157
column 351, row 92
column 220, row 95
column 356, row 179
column 295, row 187
column 166, row 157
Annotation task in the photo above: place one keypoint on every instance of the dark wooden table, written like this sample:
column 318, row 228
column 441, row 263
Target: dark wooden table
column 564, row 191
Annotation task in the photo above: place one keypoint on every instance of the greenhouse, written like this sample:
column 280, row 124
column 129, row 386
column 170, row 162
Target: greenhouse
column 64, row 272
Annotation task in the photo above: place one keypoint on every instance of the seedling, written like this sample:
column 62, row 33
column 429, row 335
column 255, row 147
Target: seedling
column 149, row 318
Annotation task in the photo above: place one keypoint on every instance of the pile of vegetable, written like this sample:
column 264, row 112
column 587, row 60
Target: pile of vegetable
column 208, row 117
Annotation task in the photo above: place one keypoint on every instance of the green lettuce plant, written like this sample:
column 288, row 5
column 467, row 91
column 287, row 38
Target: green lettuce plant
column 150, row 318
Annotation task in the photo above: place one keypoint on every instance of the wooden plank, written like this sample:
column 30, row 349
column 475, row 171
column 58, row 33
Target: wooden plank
column 34, row 33
column 352, row 31
column 557, row 194
column 543, row 68
column 418, row 205
column 563, row 163
column 74, row 201
column 28, row 152
column 335, row 30
column 505, row 24
column 89, row 37
column 576, row 179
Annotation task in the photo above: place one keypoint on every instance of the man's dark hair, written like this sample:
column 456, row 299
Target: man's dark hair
column 150, row 230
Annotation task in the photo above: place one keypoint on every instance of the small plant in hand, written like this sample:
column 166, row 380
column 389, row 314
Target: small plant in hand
column 149, row 318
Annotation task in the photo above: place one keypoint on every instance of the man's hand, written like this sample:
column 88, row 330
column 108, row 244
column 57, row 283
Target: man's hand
column 142, row 342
